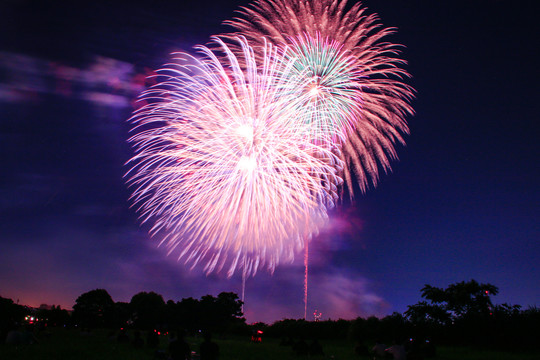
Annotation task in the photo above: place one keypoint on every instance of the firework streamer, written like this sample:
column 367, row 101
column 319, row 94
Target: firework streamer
column 222, row 171
column 356, row 79
column 377, row 121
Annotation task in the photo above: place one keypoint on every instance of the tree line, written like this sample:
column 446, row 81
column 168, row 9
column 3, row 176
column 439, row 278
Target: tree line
column 148, row 310
column 145, row 311
column 460, row 314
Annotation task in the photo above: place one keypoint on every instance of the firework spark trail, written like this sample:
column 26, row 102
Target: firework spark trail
column 379, row 120
column 306, row 272
column 222, row 169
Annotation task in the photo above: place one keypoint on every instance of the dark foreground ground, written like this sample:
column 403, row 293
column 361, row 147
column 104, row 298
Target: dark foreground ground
column 67, row 344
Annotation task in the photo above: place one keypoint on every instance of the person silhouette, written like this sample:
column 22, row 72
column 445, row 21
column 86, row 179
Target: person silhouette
column 301, row 348
column 315, row 349
column 152, row 339
column 179, row 348
column 137, row 341
column 122, row 336
column 209, row 349
column 397, row 351
column 379, row 350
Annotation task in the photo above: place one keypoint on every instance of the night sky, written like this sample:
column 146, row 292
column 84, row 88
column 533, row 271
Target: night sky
column 461, row 203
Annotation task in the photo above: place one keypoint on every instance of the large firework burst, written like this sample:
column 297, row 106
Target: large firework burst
column 222, row 168
column 377, row 122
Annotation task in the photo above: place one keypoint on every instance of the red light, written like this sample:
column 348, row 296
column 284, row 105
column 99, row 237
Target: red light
column 259, row 332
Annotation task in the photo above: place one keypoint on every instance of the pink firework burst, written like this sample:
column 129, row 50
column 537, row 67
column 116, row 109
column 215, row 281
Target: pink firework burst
column 221, row 168
column 377, row 122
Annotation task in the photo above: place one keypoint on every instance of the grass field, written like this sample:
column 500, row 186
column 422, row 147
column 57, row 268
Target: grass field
column 67, row 344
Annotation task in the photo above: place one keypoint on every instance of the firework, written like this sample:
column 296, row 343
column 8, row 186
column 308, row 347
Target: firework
column 373, row 112
column 221, row 166
column 329, row 84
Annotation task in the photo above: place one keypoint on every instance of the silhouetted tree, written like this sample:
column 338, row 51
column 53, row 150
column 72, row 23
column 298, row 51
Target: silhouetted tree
column 229, row 307
column 188, row 313
column 423, row 313
column 122, row 314
column 463, row 299
column 11, row 315
column 460, row 313
column 221, row 313
column 148, row 309
column 395, row 327
column 55, row 316
column 94, row 309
